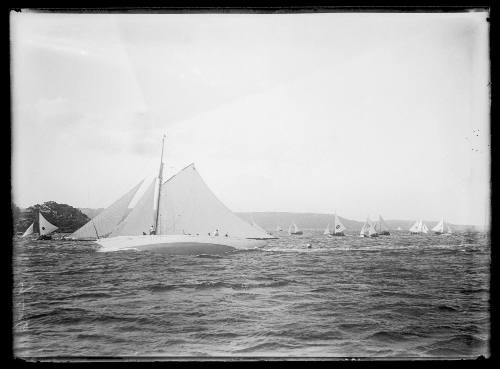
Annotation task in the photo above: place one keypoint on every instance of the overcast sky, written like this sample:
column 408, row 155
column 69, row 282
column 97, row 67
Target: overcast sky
column 359, row 113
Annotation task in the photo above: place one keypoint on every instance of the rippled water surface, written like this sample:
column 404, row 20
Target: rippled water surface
column 393, row 296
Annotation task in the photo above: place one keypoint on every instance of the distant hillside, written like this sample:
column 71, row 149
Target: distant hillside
column 308, row 221
column 313, row 221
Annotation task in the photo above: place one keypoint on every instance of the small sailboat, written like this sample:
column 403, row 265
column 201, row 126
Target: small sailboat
column 327, row 229
column 338, row 227
column 29, row 230
column 296, row 230
column 45, row 228
column 399, row 229
column 381, row 227
column 419, row 227
column 176, row 216
column 368, row 229
column 439, row 228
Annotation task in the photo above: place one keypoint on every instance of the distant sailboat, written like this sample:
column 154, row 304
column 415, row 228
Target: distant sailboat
column 327, row 229
column 177, row 216
column 296, row 229
column 381, row 227
column 45, row 228
column 279, row 229
column 419, row 227
column 338, row 227
column 439, row 228
column 368, row 230
column 29, row 231
column 399, row 229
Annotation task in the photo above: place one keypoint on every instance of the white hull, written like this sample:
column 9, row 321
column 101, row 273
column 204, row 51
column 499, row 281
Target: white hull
column 177, row 244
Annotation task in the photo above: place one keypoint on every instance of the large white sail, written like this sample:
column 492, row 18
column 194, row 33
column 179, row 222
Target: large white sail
column 327, row 230
column 141, row 218
column 107, row 220
column 188, row 206
column 29, row 230
column 45, row 226
column 339, row 227
column 439, row 227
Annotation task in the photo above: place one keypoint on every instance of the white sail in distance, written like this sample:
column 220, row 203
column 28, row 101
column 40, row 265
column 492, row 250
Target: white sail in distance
column 364, row 229
column 327, row 230
column 439, row 227
column 424, row 228
column 415, row 227
column 371, row 229
column 339, row 227
column 107, row 220
column 29, row 230
column 45, row 226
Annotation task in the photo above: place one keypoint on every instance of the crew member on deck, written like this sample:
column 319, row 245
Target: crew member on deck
column 216, row 233
column 151, row 230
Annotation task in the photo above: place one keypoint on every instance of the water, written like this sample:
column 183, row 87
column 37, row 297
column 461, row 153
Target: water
column 392, row 296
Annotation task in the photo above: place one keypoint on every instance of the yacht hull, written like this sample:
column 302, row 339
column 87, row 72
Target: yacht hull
column 177, row 244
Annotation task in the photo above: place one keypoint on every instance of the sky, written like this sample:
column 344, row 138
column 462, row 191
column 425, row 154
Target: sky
column 358, row 113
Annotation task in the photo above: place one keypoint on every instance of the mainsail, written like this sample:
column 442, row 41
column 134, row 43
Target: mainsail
column 371, row 230
column 107, row 220
column 364, row 229
column 339, row 227
column 188, row 206
column 45, row 226
column 424, row 228
column 439, row 228
column 28, row 231
column 415, row 227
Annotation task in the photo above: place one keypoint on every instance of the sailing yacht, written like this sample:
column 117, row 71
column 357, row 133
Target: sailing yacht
column 419, row 227
column 381, row 227
column 45, row 227
column 181, row 212
column 439, row 228
column 368, row 229
column 339, row 228
column 296, row 230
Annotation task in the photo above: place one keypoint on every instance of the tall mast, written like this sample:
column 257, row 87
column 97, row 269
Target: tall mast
column 160, row 180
